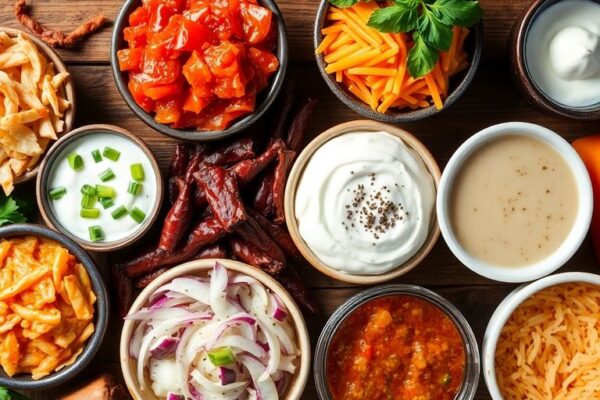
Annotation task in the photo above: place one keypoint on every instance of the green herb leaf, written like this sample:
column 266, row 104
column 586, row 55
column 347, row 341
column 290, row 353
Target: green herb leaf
column 343, row 3
column 434, row 31
column 9, row 212
column 422, row 57
column 457, row 12
column 401, row 17
column 7, row 394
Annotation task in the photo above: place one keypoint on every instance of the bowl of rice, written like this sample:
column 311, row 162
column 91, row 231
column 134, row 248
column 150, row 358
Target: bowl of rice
column 542, row 341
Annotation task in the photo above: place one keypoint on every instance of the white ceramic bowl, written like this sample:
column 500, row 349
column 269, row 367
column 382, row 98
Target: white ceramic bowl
column 580, row 226
column 505, row 310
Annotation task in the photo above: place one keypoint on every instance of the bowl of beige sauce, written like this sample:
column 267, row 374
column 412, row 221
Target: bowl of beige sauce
column 514, row 202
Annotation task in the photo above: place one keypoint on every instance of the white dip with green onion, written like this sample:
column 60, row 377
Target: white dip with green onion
column 91, row 184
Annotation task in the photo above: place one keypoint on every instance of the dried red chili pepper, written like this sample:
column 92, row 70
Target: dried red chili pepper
column 282, row 169
column 122, row 290
column 298, row 126
column 245, row 252
column 280, row 235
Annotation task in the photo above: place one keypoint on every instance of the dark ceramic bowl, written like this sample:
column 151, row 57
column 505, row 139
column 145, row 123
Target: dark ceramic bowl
column 530, row 91
column 263, row 101
column 458, row 84
column 24, row 381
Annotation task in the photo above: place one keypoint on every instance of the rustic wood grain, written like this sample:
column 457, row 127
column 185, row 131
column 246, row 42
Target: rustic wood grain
column 491, row 99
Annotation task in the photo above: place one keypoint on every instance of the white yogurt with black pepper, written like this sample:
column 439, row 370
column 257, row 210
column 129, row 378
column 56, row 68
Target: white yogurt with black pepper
column 364, row 203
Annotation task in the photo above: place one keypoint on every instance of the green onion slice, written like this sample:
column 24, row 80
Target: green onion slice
column 96, row 155
column 134, row 188
column 111, row 153
column 119, row 212
column 88, row 201
column 105, row 191
column 221, row 356
column 137, row 172
column 107, row 175
column 89, row 190
column 106, row 202
column 89, row 213
column 57, row 192
column 137, row 215
column 96, row 233
column 75, row 161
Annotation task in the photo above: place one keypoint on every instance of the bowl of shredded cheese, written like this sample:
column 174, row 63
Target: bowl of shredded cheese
column 542, row 340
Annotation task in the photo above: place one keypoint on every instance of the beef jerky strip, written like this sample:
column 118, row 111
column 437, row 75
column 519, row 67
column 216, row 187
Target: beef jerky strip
column 213, row 251
column 245, row 252
column 231, row 152
column 280, row 235
column 248, row 169
column 205, row 233
column 123, row 290
column 297, row 129
column 283, row 112
column 282, row 169
column 253, row 233
column 57, row 38
column 179, row 162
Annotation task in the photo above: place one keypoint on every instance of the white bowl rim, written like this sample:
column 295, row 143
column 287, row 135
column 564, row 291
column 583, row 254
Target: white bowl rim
column 582, row 221
column 505, row 310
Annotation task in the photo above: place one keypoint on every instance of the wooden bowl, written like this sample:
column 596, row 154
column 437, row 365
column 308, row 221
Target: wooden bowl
column 201, row 268
column 519, row 71
column 44, row 203
column 458, row 84
column 69, row 90
column 24, row 381
column 264, row 99
column 296, row 174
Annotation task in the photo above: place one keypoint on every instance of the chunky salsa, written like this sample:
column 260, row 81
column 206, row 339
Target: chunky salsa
column 396, row 348
column 199, row 63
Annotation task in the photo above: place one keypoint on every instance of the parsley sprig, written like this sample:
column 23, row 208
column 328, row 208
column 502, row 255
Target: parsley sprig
column 10, row 212
column 429, row 21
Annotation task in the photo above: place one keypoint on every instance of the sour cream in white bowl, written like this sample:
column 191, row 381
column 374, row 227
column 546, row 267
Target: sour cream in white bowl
column 360, row 202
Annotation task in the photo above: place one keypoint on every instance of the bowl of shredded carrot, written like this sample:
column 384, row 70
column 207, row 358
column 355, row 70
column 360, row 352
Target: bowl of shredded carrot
column 367, row 69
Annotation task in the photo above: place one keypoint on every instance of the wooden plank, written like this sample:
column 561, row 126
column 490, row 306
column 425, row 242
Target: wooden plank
column 299, row 16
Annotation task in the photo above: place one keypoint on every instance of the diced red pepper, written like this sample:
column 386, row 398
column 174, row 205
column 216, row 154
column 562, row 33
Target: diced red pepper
column 168, row 110
column 256, row 21
column 160, row 17
column 139, row 16
column 196, row 102
column 162, row 91
column 130, row 59
column 135, row 36
column 135, row 88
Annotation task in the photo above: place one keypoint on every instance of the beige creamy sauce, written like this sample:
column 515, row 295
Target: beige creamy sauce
column 514, row 202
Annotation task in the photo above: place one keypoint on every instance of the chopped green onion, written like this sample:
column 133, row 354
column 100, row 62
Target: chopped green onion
column 96, row 233
column 137, row 215
column 111, row 153
column 75, row 161
column 57, row 192
column 89, row 190
column 88, row 201
column 105, row 191
column 96, row 155
column 134, row 188
column 137, row 172
column 107, row 175
column 119, row 212
column 106, row 202
column 89, row 213
column 221, row 356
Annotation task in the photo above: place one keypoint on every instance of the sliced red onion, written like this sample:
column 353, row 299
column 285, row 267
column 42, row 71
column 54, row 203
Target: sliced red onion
column 265, row 387
column 174, row 396
column 279, row 311
column 189, row 287
column 158, row 314
column 281, row 384
column 165, row 347
column 218, row 293
column 226, row 376
column 234, row 320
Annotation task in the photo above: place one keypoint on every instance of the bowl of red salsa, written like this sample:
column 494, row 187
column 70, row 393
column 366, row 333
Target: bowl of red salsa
column 397, row 342
column 199, row 70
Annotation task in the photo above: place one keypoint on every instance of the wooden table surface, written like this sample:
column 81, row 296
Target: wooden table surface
column 491, row 99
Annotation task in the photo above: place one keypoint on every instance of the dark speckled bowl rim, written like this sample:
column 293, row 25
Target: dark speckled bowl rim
column 268, row 95
column 523, row 25
column 401, row 116
column 24, row 381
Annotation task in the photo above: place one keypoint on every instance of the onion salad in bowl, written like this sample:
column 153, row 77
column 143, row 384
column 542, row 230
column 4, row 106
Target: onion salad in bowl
column 219, row 337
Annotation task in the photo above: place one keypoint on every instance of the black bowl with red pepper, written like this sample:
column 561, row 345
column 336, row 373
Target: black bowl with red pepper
column 199, row 70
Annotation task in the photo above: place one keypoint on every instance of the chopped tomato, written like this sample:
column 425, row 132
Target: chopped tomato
column 257, row 22
column 129, row 59
column 139, row 16
column 198, row 63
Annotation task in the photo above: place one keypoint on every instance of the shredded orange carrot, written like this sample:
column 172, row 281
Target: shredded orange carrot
column 372, row 65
